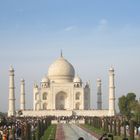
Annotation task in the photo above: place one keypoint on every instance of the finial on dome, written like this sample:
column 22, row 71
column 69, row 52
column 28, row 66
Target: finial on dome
column 61, row 54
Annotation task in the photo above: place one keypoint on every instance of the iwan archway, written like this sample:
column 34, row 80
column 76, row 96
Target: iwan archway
column 60, row 100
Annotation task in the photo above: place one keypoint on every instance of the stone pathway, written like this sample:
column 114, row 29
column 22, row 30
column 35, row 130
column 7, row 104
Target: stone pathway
column 59, row 132
column 72, row 132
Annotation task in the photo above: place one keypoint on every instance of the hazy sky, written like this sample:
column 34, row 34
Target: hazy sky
column 93, row 34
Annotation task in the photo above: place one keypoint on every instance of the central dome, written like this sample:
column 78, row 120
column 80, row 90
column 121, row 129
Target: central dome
column 61, row 71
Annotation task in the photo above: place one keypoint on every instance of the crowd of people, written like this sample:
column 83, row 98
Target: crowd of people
column 18, row 128
column 24, row 128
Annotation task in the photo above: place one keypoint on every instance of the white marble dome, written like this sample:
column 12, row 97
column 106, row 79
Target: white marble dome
column 45, row 80
column 77, row 79
column 61, row 71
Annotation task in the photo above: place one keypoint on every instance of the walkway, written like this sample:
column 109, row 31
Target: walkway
column 72, row 132
column 59, row 132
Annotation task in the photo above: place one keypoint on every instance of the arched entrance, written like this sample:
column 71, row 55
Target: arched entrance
column 37, row 106
column 44, row 106
column 77, row 106
column 60, row 101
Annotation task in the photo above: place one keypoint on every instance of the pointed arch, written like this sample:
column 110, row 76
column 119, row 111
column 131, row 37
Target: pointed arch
column 60, row 100
column 77, row 95
column 37, row 106
column 77, row 106
column 44, row 96
column 45, row 106
column 36, row 96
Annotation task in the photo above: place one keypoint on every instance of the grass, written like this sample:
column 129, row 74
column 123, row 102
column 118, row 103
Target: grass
column 97, row 131
column 49, row 133
column 118, row 137
column 101, row 132
column 121, row 137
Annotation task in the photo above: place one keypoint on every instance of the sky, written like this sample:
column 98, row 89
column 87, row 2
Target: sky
column 93, row 34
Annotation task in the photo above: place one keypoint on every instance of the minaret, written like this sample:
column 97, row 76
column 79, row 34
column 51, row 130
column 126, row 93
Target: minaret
column 111, row 92
column 99, row 94
column 11, row 109
column 22, row 95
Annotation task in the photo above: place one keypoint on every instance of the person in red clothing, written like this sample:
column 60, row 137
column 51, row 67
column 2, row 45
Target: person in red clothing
column 4, row 137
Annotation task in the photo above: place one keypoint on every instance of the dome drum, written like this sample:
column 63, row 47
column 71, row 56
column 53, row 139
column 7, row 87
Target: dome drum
column 61, row 79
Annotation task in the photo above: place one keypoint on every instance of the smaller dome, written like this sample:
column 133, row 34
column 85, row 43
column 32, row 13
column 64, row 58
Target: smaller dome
column 77, row 79
column 45, row 80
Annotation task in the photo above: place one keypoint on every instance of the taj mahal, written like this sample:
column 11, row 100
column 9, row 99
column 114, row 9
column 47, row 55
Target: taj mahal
column 62, row 93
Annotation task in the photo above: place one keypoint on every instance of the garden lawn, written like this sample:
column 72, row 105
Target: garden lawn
column 49, row 133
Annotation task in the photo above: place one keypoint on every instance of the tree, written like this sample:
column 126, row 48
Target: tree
column 126, row 104
column 131, row 130
column 123, row 105
column 136, row 114
column 136, row 110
